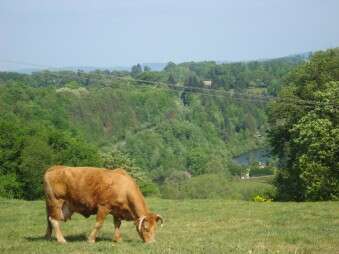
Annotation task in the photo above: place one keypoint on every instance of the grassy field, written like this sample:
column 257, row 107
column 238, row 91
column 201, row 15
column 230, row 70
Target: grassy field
column 191, row 226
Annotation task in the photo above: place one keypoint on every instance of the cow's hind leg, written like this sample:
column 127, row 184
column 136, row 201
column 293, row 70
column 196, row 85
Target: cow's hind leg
column 54, row 216
column 58, row 234
column 117, row 224
column 48, row 234
column 101, row 215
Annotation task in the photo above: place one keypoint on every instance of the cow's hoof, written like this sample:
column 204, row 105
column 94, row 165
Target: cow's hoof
column 62, row 241
column 150, row 242
column 117, row 240
column 91, row 241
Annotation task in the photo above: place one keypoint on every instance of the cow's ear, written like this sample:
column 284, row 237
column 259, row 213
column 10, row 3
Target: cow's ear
column 159, row 218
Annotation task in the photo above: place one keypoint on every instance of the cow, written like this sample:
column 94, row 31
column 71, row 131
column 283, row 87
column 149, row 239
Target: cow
column 89, row 191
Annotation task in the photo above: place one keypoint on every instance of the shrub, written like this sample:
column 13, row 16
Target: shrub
column 207, row 186
column 248, row 189
column 259, row 198
column 258, row 171
column 180, row 186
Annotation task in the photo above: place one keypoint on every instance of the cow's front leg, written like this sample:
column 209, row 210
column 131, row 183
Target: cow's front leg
column 117, row 224
column 101, row 215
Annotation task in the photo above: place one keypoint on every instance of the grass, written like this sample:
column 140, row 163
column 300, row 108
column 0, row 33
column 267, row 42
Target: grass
column 191, row 226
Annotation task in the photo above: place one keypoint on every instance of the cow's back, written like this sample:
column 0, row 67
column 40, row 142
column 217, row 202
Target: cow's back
column 85, row 187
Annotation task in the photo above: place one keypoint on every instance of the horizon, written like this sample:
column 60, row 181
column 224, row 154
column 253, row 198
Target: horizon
column 28, row 67
column 84, row 34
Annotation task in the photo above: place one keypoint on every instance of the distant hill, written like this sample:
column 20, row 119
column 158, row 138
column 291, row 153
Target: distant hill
column 154, row 66
column 73, row 68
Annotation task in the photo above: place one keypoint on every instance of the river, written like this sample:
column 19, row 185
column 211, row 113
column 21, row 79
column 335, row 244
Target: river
column 258, row 155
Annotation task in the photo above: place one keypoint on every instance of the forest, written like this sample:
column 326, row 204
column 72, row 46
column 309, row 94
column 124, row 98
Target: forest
column 177, row 130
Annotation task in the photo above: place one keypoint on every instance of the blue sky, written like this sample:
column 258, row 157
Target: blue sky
column 124, row 32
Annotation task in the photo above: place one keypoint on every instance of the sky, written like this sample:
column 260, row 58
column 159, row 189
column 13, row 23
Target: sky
column 106, row 33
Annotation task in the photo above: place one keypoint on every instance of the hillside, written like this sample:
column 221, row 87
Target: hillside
column 72, row 118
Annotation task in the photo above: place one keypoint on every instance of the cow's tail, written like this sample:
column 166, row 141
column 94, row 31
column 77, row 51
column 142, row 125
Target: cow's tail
column 47, row 188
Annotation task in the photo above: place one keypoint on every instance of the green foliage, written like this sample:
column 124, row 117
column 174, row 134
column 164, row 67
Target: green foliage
column 235, row 169
column 33, row 137
column 147, row 68
column 193, row 81
column 72, row 84
column 154, row 76
column 152, row 126
column 34, row 150
column 170, row 66
column 316, row 141
column 117, row 159
column 248, row 189
column 171, row 79
column 65, row 117
column 10, row 187
column 268, row 74
column 203, row 186
column 136, row 69
column 257, row 170
column 305, row 135
column 259, row 198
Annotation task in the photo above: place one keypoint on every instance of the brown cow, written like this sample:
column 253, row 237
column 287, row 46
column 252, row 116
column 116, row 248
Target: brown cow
column 89, row 191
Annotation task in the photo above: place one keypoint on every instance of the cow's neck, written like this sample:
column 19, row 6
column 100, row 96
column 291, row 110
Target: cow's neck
column 139, row 208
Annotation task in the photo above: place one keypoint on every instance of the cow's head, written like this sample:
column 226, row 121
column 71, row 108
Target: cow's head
column 146, row 226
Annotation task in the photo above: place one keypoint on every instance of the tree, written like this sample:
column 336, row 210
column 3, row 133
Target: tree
column 316, row 144
column 193, row 81
column 36, row 157
column 136, row 69
column 147, row 68
column 304, row 131
column 170, row 66
column 250, row 123
column 151, row 124
column 171, row 79
column 10, row 186
column 116, row 159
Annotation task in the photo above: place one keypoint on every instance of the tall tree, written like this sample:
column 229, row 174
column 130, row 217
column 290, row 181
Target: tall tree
column 304, row 131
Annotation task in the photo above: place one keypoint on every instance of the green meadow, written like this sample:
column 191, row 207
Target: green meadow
column 191, row 226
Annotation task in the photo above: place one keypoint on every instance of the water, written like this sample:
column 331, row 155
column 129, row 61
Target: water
column 259, row 155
